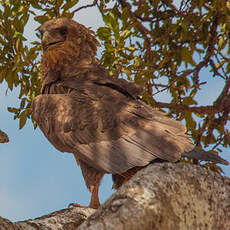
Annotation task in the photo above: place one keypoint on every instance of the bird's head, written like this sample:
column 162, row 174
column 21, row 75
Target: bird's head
column 67, row 46
column 55, row 33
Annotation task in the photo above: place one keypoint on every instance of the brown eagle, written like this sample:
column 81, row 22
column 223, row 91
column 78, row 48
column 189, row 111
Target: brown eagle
column 99, row 119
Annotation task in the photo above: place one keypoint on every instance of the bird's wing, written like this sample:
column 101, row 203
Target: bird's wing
column 100, row 77
column 107, row 129
column 201, row 155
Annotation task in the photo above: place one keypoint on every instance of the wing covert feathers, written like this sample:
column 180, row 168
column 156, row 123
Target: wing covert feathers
column 110, row 133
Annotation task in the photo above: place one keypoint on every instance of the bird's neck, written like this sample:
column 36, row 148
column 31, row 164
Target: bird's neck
column 64, row 62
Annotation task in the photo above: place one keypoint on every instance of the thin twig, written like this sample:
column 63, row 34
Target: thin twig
column 215, row 70
column 210, row 50
column 182, row 108
column 139, row 26
column 159, row 85
column 221, row 65
column 225, row 58
column 167, row 87
column 86, row 6
column 221, row 138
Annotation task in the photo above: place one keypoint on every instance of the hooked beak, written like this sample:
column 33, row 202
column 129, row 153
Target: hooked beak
column 46, row 39
column 49, row 39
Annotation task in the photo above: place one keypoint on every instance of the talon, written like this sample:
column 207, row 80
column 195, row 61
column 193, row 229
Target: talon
column 71, row 205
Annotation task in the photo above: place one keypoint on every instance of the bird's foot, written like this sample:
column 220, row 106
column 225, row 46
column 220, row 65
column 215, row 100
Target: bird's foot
column 71, row 205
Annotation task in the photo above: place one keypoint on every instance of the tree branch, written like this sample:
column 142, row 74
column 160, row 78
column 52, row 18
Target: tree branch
column 182, row 108
column 161, row 196
column 167, row 196
column 222, row 104
column 224, row 98
column 69, row 219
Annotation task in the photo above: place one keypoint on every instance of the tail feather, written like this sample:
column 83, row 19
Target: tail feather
column 202, row 155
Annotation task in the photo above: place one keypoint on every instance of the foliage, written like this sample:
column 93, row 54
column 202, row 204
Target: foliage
column 147, row 41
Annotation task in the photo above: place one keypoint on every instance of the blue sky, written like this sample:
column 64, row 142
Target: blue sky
column 36, row 179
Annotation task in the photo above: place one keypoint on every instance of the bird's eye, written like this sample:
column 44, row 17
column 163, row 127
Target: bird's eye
column 63, row 31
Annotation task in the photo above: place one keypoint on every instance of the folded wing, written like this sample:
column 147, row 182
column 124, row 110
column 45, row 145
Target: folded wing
column 109, row 130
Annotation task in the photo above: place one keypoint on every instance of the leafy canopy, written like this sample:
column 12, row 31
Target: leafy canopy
column 163, row 44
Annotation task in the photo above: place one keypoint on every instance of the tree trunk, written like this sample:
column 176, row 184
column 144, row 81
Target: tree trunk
column 162, row 196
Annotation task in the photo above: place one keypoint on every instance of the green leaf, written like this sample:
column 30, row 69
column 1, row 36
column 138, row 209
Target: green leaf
column 189, row 101
column 124, row 34
column 111, row 21
column 137, row 61
column 22, row 119
column 41, row 19
column 126, row 71
column 58, row 3
column 69, row 4
column 221, row 44
column 25, row 18
column 104, row 33
column 190, row 123
column 9, row 79
column 187, row 56
column 12, row 110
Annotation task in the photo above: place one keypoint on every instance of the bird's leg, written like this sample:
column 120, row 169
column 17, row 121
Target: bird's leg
column 120, row 179
column 92, row 179
column 94, row 203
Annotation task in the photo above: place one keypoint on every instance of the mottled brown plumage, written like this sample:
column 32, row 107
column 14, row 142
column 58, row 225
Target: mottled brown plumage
column 99, row 119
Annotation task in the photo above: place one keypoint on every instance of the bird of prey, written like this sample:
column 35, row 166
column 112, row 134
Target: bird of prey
column 100, row 119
